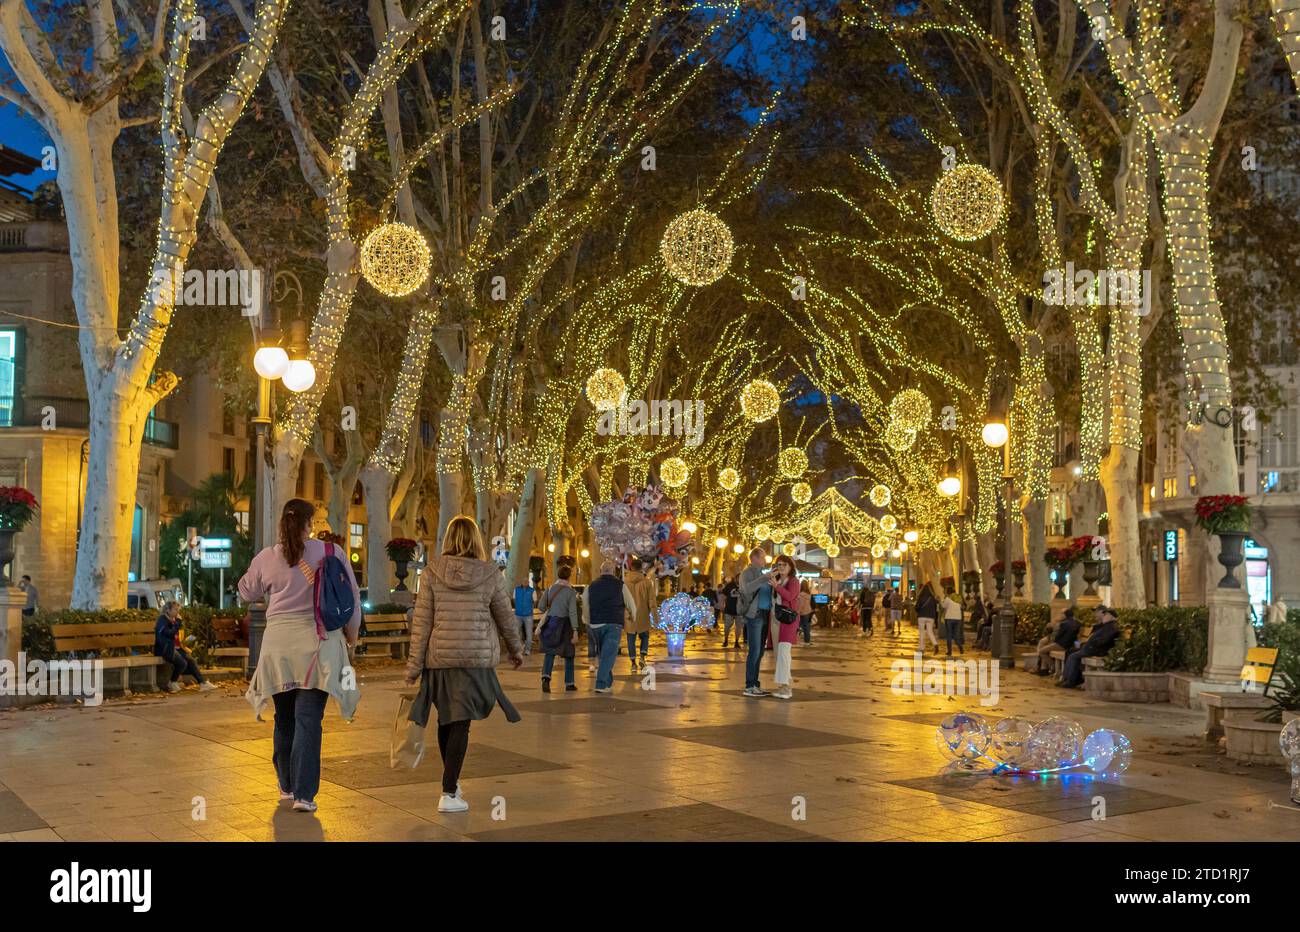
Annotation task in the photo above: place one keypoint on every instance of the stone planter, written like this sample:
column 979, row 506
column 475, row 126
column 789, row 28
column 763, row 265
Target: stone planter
column 1251, row 741
column 1127, row 687
column 7, row 553
column 1001, row 580
column 1020, row 582
column 401, row 571
column 1091, row 573
column 1062, row 577
column 1231, row 555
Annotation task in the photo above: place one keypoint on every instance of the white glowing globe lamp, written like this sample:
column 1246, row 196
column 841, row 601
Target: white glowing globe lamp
column 911, row 537
column 722, row 543
column 689, row 527
column 738, row 549
column 994, row 434
column 270, row 361
column 299, row 375
column 951, row 485
column 902, row 548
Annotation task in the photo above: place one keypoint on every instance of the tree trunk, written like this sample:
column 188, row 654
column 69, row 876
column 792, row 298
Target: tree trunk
column 521, row 544
column 377, row 488
column 1119, row 480
column 1038, row 583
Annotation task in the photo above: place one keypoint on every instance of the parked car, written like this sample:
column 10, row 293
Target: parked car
column 154, row 593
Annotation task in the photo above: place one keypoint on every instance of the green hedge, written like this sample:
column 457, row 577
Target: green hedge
column 1161, row 639
column 1031, row 621
column 196, row 622
column 1285, row 686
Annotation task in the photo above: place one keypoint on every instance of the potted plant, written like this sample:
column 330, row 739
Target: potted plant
column 17, row 508
column 1090, row 548
column 1062, row 559
column 999, row 571
column 1227, row 517
column 1018, row 574
column 949, row 585
column 401, row 550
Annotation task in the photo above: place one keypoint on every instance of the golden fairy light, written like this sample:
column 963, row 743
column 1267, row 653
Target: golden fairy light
column 761, row 532
column 832, row 550
column 898, row 437
column 877, row 550
column 606, row 389
column 729, row 479
column 791, row 462
column 910, row 409
column 788, row 550
column 697, row 247
column 888, row 523
column 967, row 202
column 395, row 259
column 674, row 472
column 759, row 401
column 880, row 496
column 801, row 493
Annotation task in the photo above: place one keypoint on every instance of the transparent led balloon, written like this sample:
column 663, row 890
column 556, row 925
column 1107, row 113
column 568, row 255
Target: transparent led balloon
column 1010, row 740
column 965, row 737
column 1055, row 742
column 1107, row 753
column 1289, row 740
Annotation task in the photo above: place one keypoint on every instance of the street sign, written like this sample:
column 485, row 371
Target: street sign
column 215, row 559
column 214, row 543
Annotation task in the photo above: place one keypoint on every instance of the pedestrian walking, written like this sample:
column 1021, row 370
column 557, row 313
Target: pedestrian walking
column 461, row 616
column 607, row 606
column 866, row 608
column 524, row 594
column 644, row 593
column 301, row 665
column 730, row 613
column 952, row 627
column 805, row 611
column 927, row 611
column 33, row 596
column 559, row 631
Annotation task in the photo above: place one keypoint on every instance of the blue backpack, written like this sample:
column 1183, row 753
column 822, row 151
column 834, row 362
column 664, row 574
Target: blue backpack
column 332, row 594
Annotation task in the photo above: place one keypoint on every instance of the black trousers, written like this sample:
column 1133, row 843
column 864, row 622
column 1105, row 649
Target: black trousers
column 453, row 742
column 183, row 665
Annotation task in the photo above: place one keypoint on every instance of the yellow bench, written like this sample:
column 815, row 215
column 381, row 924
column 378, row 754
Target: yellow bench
column 1259, row 666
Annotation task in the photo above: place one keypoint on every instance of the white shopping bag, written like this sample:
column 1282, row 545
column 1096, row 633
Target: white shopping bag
column 407, row 747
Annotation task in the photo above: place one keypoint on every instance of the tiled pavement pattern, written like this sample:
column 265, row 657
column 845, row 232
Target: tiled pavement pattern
column 692, row 760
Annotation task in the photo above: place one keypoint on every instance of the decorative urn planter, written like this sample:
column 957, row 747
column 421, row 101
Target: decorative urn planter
column 401, row 572
column 1231, row 556
column 1062, row 578
column 7, row 553
column 1001, row 580
column 1091, row 573
column 1020, row 581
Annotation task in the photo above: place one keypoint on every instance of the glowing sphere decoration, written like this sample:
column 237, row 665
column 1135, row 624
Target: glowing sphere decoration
column 606, row 389
column 1107, row 753
column 898, row 437
column 833, row 550
column 674, row 472
column 791, row 462
column 823, row 541
column 888, row 523
column 801, row 493
column 776, row 536
column 759, row 401
column 761, row 532
column 910, row 409
column 965, row 737
column 788, row 549
column 395, row 259
column 1055, row 742
column 949, row 486
column 880, row 496
column 877, row 551
column 729, row 479
column 697, row 247
column 967, row 202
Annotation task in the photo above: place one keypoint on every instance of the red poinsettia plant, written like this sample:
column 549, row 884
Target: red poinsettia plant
column 998, row 568
column 1088, row 547
column 1066, row 556
column 401, row 549
column 1219, row 513
column 17, row 507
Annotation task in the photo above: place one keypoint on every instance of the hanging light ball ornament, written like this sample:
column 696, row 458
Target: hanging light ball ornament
column 759, row 401
column 792, row 462
column 910, row 409
column 801, row 492
column 888, row 523
column 880, row 496
column 395, row 259
column 729, row 479
column 822, row 540
column 761, row 532
column 606, row 389
column 898, row 437
column 788, row 550
column 877, row 551
column 966, row 202
column 833, row 551
column 674, row 472
column 697, row 247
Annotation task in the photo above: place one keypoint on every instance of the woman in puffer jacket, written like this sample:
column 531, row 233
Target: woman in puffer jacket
column 461, row 614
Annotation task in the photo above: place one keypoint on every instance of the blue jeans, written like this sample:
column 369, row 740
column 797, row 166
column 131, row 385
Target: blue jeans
column 756, row 635
column 606, row 638
column 631, row 643
column 296, row 743
column 526, row 626
column 805, row 625
column 549, row 664
column 952, row 631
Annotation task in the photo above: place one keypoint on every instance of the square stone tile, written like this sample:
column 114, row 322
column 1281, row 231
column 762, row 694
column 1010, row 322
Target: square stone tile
column 700, row 822
column 15, row 816
column 564, row 704
column 756, row 736
column 364, row 771
column 1063, row 800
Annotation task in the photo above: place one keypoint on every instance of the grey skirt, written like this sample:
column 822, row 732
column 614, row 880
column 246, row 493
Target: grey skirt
column 459, row 694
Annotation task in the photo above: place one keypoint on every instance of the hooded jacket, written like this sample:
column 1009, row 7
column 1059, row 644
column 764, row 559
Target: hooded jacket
column 643, row 591
column 461, row 614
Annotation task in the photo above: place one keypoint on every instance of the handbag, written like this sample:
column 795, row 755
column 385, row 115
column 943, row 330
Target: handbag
column 785, row 615
column 556, row 630
column 407, row 746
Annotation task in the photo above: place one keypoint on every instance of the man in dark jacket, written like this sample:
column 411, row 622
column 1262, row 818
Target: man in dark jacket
column 1105, row 632
column 165, row 630
column 1063, row 634
column 866, row 603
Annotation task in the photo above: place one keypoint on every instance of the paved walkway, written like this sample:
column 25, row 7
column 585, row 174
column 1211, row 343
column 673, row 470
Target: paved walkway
column 846, row 759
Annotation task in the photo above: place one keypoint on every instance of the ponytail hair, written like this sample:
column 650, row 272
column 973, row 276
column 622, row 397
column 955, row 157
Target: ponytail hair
column 295, row 522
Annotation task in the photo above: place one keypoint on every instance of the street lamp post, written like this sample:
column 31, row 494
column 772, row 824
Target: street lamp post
column 996, row 435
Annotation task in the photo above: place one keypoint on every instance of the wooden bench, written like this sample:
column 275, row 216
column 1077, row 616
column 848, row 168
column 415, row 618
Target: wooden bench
column 1258, row 668
column 392, row 631
column 228, row 641
column 136, row 636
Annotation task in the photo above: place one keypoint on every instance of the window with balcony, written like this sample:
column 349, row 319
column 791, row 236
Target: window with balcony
column 356, row 537
column 1279, row 453
column 10, row 343
column 1169, row 488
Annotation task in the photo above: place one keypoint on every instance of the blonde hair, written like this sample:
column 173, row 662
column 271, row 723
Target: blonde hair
column 463, row 539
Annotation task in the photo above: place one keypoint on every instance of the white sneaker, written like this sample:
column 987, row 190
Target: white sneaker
column 452, row 804
column 173, row 687
column 206, row 687
column 784, row 693
column 302, row 805
column 606, row 690
column 285, row 797
column 755, row 692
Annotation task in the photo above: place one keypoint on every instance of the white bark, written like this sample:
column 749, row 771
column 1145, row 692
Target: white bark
column 521, row 544
column 1119, row 479
column 377, row 487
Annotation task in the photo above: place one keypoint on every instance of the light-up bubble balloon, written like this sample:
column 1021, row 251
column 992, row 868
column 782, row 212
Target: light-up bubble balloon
column 1055, row 742
column 1107, row 753
column 1010, row 740
column 1289, row 740
column 964, row 736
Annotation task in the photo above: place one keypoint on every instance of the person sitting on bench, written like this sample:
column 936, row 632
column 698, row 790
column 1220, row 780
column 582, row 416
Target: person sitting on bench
column 165, row 632
column 1105, row 632
column 1061, row 634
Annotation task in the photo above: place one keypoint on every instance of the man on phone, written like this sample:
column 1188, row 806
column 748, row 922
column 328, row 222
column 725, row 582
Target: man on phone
column 755, row 604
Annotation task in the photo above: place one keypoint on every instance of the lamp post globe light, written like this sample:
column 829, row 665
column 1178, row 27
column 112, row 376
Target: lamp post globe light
column 996, row 435
column 949, row 486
